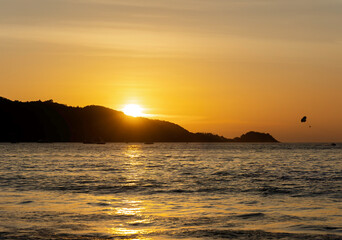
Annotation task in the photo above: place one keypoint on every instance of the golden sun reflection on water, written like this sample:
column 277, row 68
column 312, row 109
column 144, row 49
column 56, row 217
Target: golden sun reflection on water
column 125, row 211
column 132, row 209
column 133, row 151
column 125, row 231
column 134, row 159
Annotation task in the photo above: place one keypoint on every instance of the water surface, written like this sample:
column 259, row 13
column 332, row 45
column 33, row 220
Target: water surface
column 170, row 191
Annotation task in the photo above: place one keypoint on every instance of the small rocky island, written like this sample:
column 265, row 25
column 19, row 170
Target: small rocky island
column 255, row 137
column 53, row 122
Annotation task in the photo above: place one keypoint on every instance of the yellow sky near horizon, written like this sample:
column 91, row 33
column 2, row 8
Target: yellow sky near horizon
column 225, row 67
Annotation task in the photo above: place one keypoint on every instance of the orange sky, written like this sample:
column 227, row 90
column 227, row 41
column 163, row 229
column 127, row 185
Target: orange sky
column 218, row 66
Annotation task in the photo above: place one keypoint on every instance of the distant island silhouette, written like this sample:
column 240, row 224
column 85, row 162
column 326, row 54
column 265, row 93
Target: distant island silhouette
column 47, row 121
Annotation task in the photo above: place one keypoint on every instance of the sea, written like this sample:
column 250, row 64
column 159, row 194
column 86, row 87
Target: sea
column 168, row 191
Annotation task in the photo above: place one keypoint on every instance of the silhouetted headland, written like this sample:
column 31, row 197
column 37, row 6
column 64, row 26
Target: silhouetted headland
column 255, row 137
column 53, row 122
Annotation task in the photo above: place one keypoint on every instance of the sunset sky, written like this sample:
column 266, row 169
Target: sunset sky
column 220, row 66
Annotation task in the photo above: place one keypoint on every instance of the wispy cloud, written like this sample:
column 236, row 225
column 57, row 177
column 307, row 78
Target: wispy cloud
column 305, row 20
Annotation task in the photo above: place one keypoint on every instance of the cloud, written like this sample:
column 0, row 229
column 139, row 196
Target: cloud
column 175, row 28
column 306, row 20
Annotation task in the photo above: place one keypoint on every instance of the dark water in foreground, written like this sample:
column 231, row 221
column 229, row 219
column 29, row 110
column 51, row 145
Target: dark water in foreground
column 170, row 191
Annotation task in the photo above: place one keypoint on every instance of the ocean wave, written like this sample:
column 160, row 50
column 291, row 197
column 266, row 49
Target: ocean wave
column 47, row 233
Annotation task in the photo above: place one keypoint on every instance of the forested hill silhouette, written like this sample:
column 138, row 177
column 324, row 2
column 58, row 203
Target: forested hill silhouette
column 255, row 137
column 53, row 122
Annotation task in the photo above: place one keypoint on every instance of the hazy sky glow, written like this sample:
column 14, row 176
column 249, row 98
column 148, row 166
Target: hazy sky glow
column 221, row 66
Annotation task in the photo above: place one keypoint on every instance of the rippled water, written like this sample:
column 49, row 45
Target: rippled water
column 170, row 191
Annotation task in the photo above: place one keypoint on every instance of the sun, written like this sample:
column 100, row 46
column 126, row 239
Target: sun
column 133, row 110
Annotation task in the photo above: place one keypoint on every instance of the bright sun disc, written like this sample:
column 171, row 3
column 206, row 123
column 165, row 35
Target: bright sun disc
column 133, row 110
